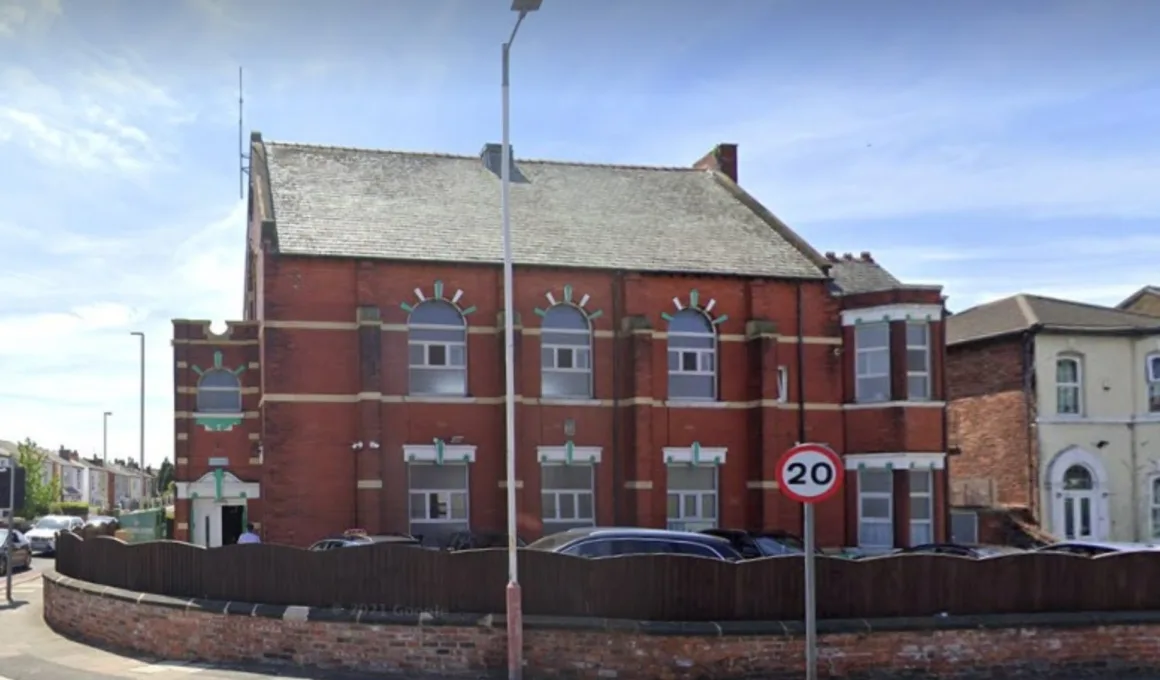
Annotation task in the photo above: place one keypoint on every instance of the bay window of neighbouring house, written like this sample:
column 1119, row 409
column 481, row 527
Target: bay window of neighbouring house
column 917, row 360
column 437, row 350
column 921, row 507
column 567, row 496
column 438, row 499
column 872, row 362
column 1152, row 374
column 692, row 497
column 875, row 508
column 1068, row 386
column 692, row 356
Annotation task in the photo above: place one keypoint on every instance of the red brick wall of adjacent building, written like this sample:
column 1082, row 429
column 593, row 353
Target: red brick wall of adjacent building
column 991, row 420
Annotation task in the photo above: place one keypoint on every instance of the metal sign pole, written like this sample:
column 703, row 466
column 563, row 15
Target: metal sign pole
column 10, row 537
column 811, row 595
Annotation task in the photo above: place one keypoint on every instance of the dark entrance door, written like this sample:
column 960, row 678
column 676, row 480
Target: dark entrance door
column 232, row 523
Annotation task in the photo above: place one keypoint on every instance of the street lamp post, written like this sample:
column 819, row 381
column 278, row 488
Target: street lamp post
column 141, row 426
column 515, row 626
column 105, row 438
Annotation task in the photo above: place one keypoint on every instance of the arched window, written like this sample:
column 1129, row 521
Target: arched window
column 437, row 350
column 1068, row 386
column 1078, row 478
column 219, row 391
column 566, row 354
column 692, row 357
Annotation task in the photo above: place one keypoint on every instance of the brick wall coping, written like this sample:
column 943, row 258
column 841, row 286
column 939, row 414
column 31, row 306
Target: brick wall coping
column 792, row 629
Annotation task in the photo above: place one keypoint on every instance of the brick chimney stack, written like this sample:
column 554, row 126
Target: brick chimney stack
column 723, row 159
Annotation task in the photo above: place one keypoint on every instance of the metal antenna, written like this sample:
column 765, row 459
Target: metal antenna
column 243, row 157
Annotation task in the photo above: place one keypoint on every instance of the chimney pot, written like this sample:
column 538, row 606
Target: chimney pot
column 723, row 159
column 866, row 256
column 831, row 256
column 847, row 257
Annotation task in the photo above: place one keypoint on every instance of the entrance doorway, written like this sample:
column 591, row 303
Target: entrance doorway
column 233, row 517
column 1078, row 499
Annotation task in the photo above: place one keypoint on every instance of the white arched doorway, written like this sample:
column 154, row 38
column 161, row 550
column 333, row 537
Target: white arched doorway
column 1078, row 496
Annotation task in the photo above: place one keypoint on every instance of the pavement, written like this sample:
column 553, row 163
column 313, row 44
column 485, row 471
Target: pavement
column 30, row 650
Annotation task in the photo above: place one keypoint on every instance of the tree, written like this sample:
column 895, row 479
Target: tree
column 165, row 476
column 39, row 493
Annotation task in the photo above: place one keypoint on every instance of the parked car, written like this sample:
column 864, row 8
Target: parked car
column 942, row 549
column 43, row 534
column 1094, row 548
column 613, row 542
column 475, row 540
column 754, row 544
column 356, row 538
column 21, row 551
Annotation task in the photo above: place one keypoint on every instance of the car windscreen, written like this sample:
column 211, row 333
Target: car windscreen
column 552, row 542
column 782, row 545
column 52, row 523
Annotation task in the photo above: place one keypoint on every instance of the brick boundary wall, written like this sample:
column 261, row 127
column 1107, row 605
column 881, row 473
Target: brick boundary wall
column 1095, row 645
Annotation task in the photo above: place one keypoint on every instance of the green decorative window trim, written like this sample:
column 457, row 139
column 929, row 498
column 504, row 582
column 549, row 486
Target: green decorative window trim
column 567, row 299
column 440, row 454
column 694, row 302
column 218, row 365
column 218, row 422
column 696, row 458
column 570, row 455
column 437, row 293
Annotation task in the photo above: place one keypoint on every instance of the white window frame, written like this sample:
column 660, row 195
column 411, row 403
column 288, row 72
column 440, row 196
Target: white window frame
column 859, row 377
column 888, row 496
column 449, row 350
column 682, row 521
column 444, row 496
column 928, row 496
column 1152, row 380
column 705, row 355
column 576, row 494
column 782, row 384
column 576, row 350
column 1077, row 385
column 925, row 373
column 236, row 390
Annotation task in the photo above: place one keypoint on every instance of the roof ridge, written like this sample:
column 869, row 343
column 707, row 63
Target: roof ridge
column 438, row 154
column 1091, row 305
column 1026, row 310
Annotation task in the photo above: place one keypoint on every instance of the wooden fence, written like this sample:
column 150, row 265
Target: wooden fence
column 646, row 587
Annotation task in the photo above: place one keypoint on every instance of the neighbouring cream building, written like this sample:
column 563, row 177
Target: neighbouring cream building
column 1056, row 408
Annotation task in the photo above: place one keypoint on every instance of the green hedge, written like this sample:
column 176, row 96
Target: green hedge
column 73, row 509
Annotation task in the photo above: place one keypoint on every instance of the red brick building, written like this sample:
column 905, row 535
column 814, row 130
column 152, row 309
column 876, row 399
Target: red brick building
column 674, row 338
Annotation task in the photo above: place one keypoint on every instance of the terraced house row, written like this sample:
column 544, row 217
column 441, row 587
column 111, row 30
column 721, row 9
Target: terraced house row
column 673, row 339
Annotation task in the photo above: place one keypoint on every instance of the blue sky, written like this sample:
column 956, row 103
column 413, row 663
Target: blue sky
column 993, row 147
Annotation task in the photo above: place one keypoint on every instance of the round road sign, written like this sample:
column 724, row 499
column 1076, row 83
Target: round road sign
column 809, row 473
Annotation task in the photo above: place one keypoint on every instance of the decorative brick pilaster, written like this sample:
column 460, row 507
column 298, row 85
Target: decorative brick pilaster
column 367, row 458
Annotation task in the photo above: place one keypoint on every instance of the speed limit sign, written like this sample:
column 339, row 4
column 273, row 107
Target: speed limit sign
column 809, row 473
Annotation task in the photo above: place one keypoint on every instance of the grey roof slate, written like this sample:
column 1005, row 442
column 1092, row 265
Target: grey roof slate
column 1023, row 312
column 359, row 203
column 863, row 275
column 1131, row 299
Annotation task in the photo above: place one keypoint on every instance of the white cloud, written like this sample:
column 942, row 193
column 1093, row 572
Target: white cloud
column 27, row 16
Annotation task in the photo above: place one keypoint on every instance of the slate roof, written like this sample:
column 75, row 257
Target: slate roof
column 361, row 203
column 860, row 275
column 1131, row 299
column 1024, row 312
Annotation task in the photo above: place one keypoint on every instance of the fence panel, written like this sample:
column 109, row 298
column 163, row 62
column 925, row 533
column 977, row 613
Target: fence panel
column 644, row 587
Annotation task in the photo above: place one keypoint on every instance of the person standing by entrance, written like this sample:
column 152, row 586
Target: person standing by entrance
column 249, row 536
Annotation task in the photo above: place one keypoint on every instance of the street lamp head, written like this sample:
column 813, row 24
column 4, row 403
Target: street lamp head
column 138, row 333
column 525, row 6
column 108, row 413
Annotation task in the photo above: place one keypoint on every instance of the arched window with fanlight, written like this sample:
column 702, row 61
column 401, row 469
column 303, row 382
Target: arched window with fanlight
column 219, row 391
column 692, row 357
column 1068, row 385
column 437, row 350
column 565, row 354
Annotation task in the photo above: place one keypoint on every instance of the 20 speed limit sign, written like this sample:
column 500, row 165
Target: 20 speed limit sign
column 809, row 473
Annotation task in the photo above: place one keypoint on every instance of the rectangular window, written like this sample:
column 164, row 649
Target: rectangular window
column 438, row 499
column 876, row 508
column 692, row 367
column 567, row 496
column 964, row 527
column 918, row 361
column 566, row 372
column 692, row 497
column 1153, row 376
column 921, row 507
column 782, row 384
column 437, row 368
column 1068, row 386
column 872, row 362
